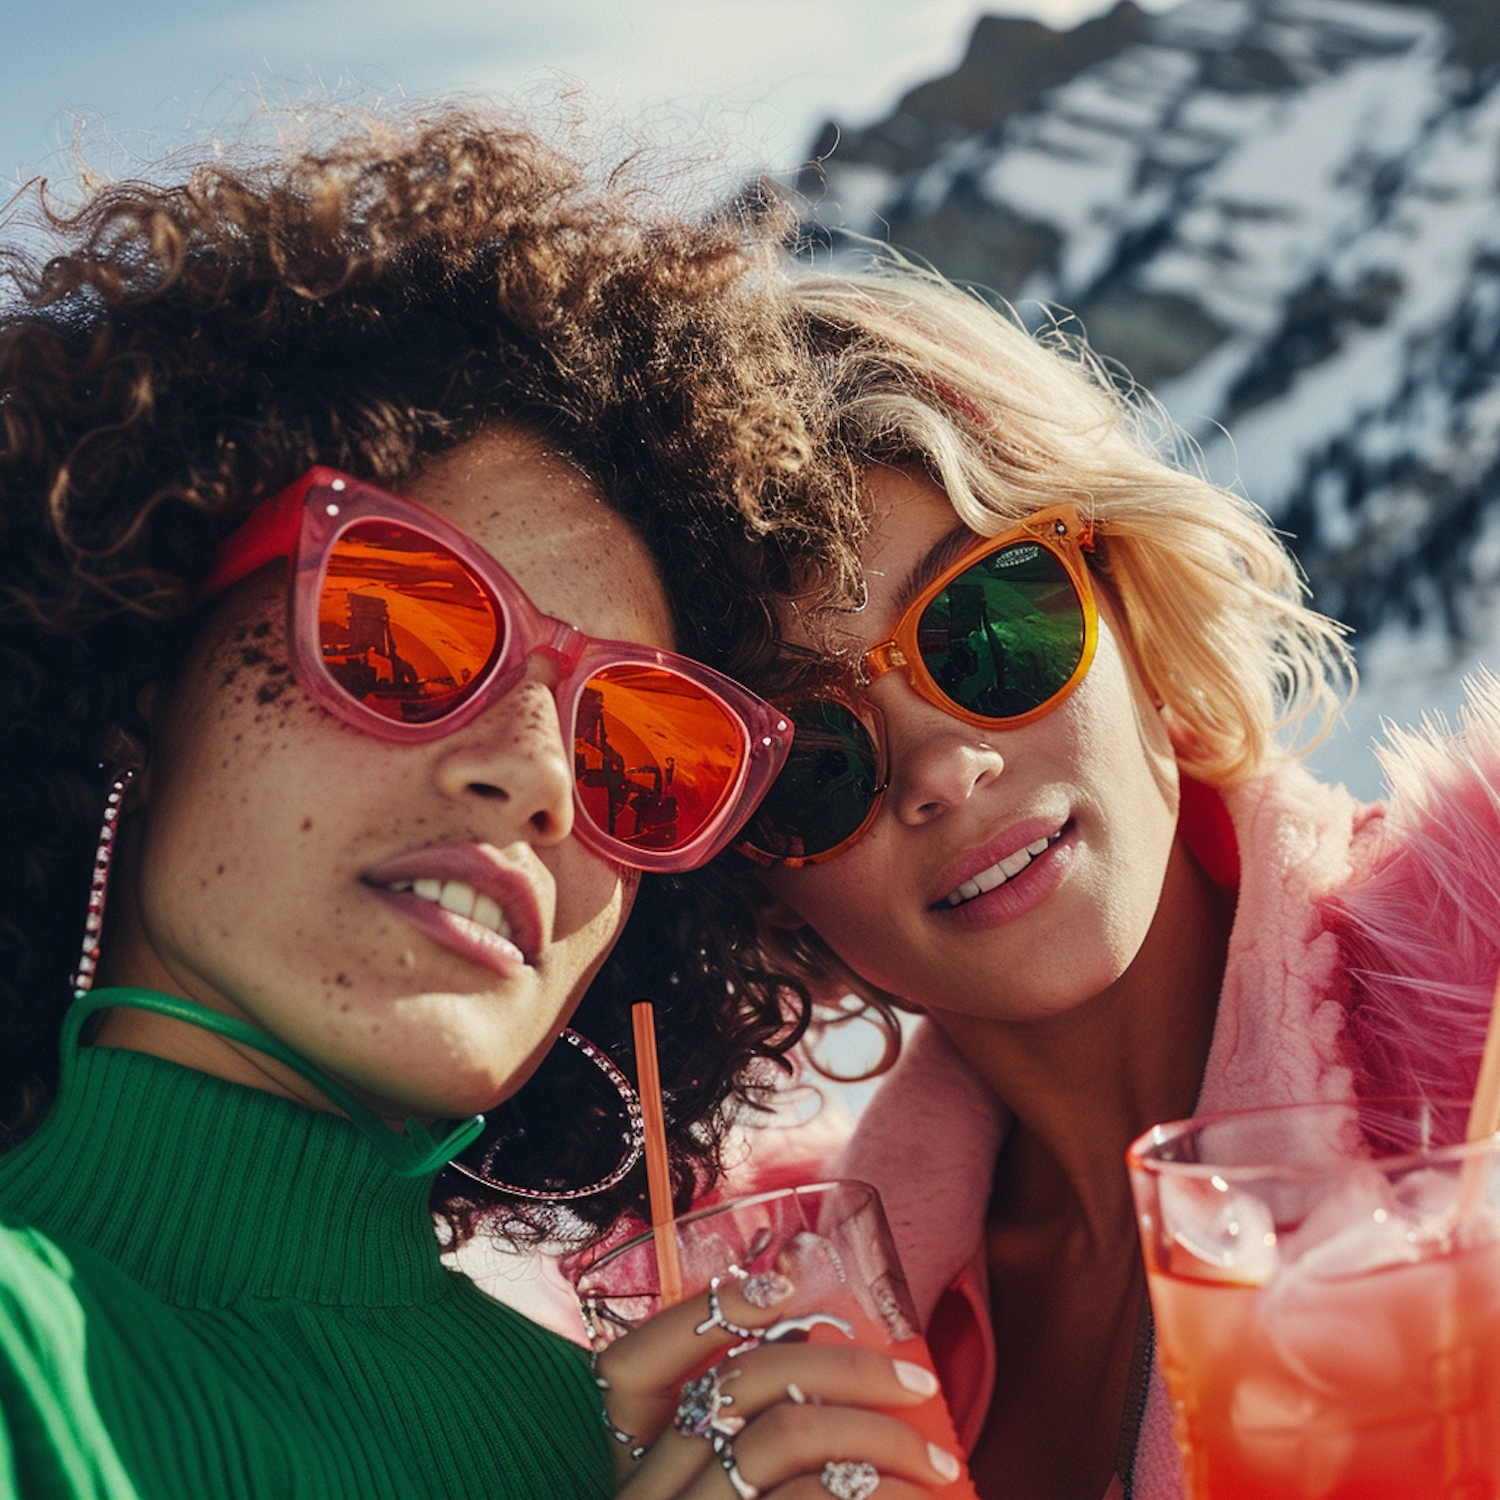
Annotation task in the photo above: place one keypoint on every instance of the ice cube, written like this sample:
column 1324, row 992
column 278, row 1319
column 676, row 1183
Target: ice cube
column 1274, row 1422
column 1426, row 1194
column 1379, row 1237
column 1217, row 1233
column 705, row 1252
column 1261, row 1405
column 814, row 1263
column 1359, row 1219
column 1442, row 1215
column 1327, row 1333
column 1355, row 1313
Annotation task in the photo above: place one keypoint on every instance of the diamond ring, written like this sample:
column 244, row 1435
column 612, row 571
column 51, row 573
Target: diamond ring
column 702, row 1399
column 850, row 1480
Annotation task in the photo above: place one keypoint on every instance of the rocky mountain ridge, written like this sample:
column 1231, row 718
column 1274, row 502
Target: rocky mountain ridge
column 1284, row 217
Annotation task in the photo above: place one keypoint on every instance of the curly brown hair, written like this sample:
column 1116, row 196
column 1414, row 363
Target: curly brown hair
column 189, row 348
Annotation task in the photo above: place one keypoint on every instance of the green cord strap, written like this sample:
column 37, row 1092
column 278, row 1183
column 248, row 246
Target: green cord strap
column 414, row 1154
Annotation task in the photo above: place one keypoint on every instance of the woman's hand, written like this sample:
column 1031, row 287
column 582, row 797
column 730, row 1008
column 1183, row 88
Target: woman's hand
column 768, row 1419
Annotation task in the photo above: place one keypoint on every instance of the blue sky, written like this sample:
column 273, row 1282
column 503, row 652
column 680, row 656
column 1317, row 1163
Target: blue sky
column 736, row 84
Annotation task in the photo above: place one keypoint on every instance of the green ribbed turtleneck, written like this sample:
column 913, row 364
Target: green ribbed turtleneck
column 209, row 1292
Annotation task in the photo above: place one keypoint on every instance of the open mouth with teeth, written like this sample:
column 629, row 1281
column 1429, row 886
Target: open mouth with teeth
column 463, row 900
column 998, row 873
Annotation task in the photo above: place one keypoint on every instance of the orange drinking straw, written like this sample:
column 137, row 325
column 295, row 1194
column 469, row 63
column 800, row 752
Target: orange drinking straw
column 658, row 1177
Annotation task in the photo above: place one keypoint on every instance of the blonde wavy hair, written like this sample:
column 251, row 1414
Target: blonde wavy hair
column 1215, row 607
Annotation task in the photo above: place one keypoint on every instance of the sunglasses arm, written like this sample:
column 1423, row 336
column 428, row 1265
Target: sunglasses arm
column 879, row 660
column 269, row 534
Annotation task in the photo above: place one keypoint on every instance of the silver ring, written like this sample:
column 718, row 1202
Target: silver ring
column 850, row 1479
column 623, row 1438
column 697, row 1413
column 716, row 1318
column 724, row 1448
column 766, row 1288
column 802, row 1325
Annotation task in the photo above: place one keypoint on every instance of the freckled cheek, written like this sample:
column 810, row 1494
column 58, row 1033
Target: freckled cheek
column 241, row 794
column 373, row 947
column 249, row 672
column 236, row 861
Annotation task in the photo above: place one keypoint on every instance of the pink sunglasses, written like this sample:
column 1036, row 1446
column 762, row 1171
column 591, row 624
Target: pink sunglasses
column 405, row 628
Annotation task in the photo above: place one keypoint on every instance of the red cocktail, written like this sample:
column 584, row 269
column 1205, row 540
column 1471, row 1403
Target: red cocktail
column 1326, row 1286
column 829, row 1238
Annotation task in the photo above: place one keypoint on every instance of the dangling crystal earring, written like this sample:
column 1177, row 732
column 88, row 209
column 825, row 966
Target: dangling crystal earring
column 93, row 923
column 632, row 1139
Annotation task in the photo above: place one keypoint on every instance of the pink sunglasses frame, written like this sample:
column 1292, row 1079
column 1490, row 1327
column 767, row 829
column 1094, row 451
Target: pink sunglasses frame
column 302, row 522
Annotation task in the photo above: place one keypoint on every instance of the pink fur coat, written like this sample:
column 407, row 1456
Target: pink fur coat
column 1363, row 957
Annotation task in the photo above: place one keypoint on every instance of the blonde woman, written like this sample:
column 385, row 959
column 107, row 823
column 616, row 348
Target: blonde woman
column 1043, row 795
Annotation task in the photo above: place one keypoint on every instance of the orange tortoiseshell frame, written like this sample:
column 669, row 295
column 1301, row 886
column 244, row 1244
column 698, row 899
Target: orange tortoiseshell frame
column 1063, row 533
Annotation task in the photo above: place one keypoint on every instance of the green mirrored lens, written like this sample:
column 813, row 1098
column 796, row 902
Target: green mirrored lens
column 826, row 788
column 1006, row 634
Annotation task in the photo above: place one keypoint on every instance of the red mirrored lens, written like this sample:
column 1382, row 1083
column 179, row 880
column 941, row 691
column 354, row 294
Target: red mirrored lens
column 404, row 626
column 655, row 755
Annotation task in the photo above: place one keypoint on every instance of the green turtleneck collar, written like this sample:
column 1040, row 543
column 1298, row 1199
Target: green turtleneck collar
column 208, row 1192
column 144, row 1160
column 418, row 1153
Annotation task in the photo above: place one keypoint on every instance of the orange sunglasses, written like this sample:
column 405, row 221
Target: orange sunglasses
column 998, row 639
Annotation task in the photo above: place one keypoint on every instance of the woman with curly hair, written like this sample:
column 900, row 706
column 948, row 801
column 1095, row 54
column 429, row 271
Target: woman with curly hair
column 1043, row 794
column 340, row 711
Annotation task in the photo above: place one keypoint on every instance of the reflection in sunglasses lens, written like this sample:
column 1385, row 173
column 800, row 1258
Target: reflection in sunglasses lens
column 825, row 789
column 655, row 756
column 1006, row 634
column 404, row 626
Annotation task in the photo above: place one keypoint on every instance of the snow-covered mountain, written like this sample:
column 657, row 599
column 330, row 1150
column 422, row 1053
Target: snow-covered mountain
column 1284, row 217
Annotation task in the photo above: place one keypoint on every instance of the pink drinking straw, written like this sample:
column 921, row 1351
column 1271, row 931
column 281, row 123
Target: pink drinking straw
column 658, row 1176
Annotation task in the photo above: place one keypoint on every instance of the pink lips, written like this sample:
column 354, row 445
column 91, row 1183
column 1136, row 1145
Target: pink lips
column 1030, row 887
column 974, row 861
column 482, row 867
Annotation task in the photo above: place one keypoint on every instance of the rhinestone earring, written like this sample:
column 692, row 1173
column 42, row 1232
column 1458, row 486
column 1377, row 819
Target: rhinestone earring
column 93, row 922
column 484, row 1155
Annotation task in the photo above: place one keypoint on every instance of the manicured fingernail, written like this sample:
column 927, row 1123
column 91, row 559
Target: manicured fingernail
column 944, row 1462
column 916, row 1378
column 766, row 1289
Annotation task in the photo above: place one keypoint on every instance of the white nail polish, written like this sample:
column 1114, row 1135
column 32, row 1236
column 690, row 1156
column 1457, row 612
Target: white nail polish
column 916, row 1377
column 944, row 1462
